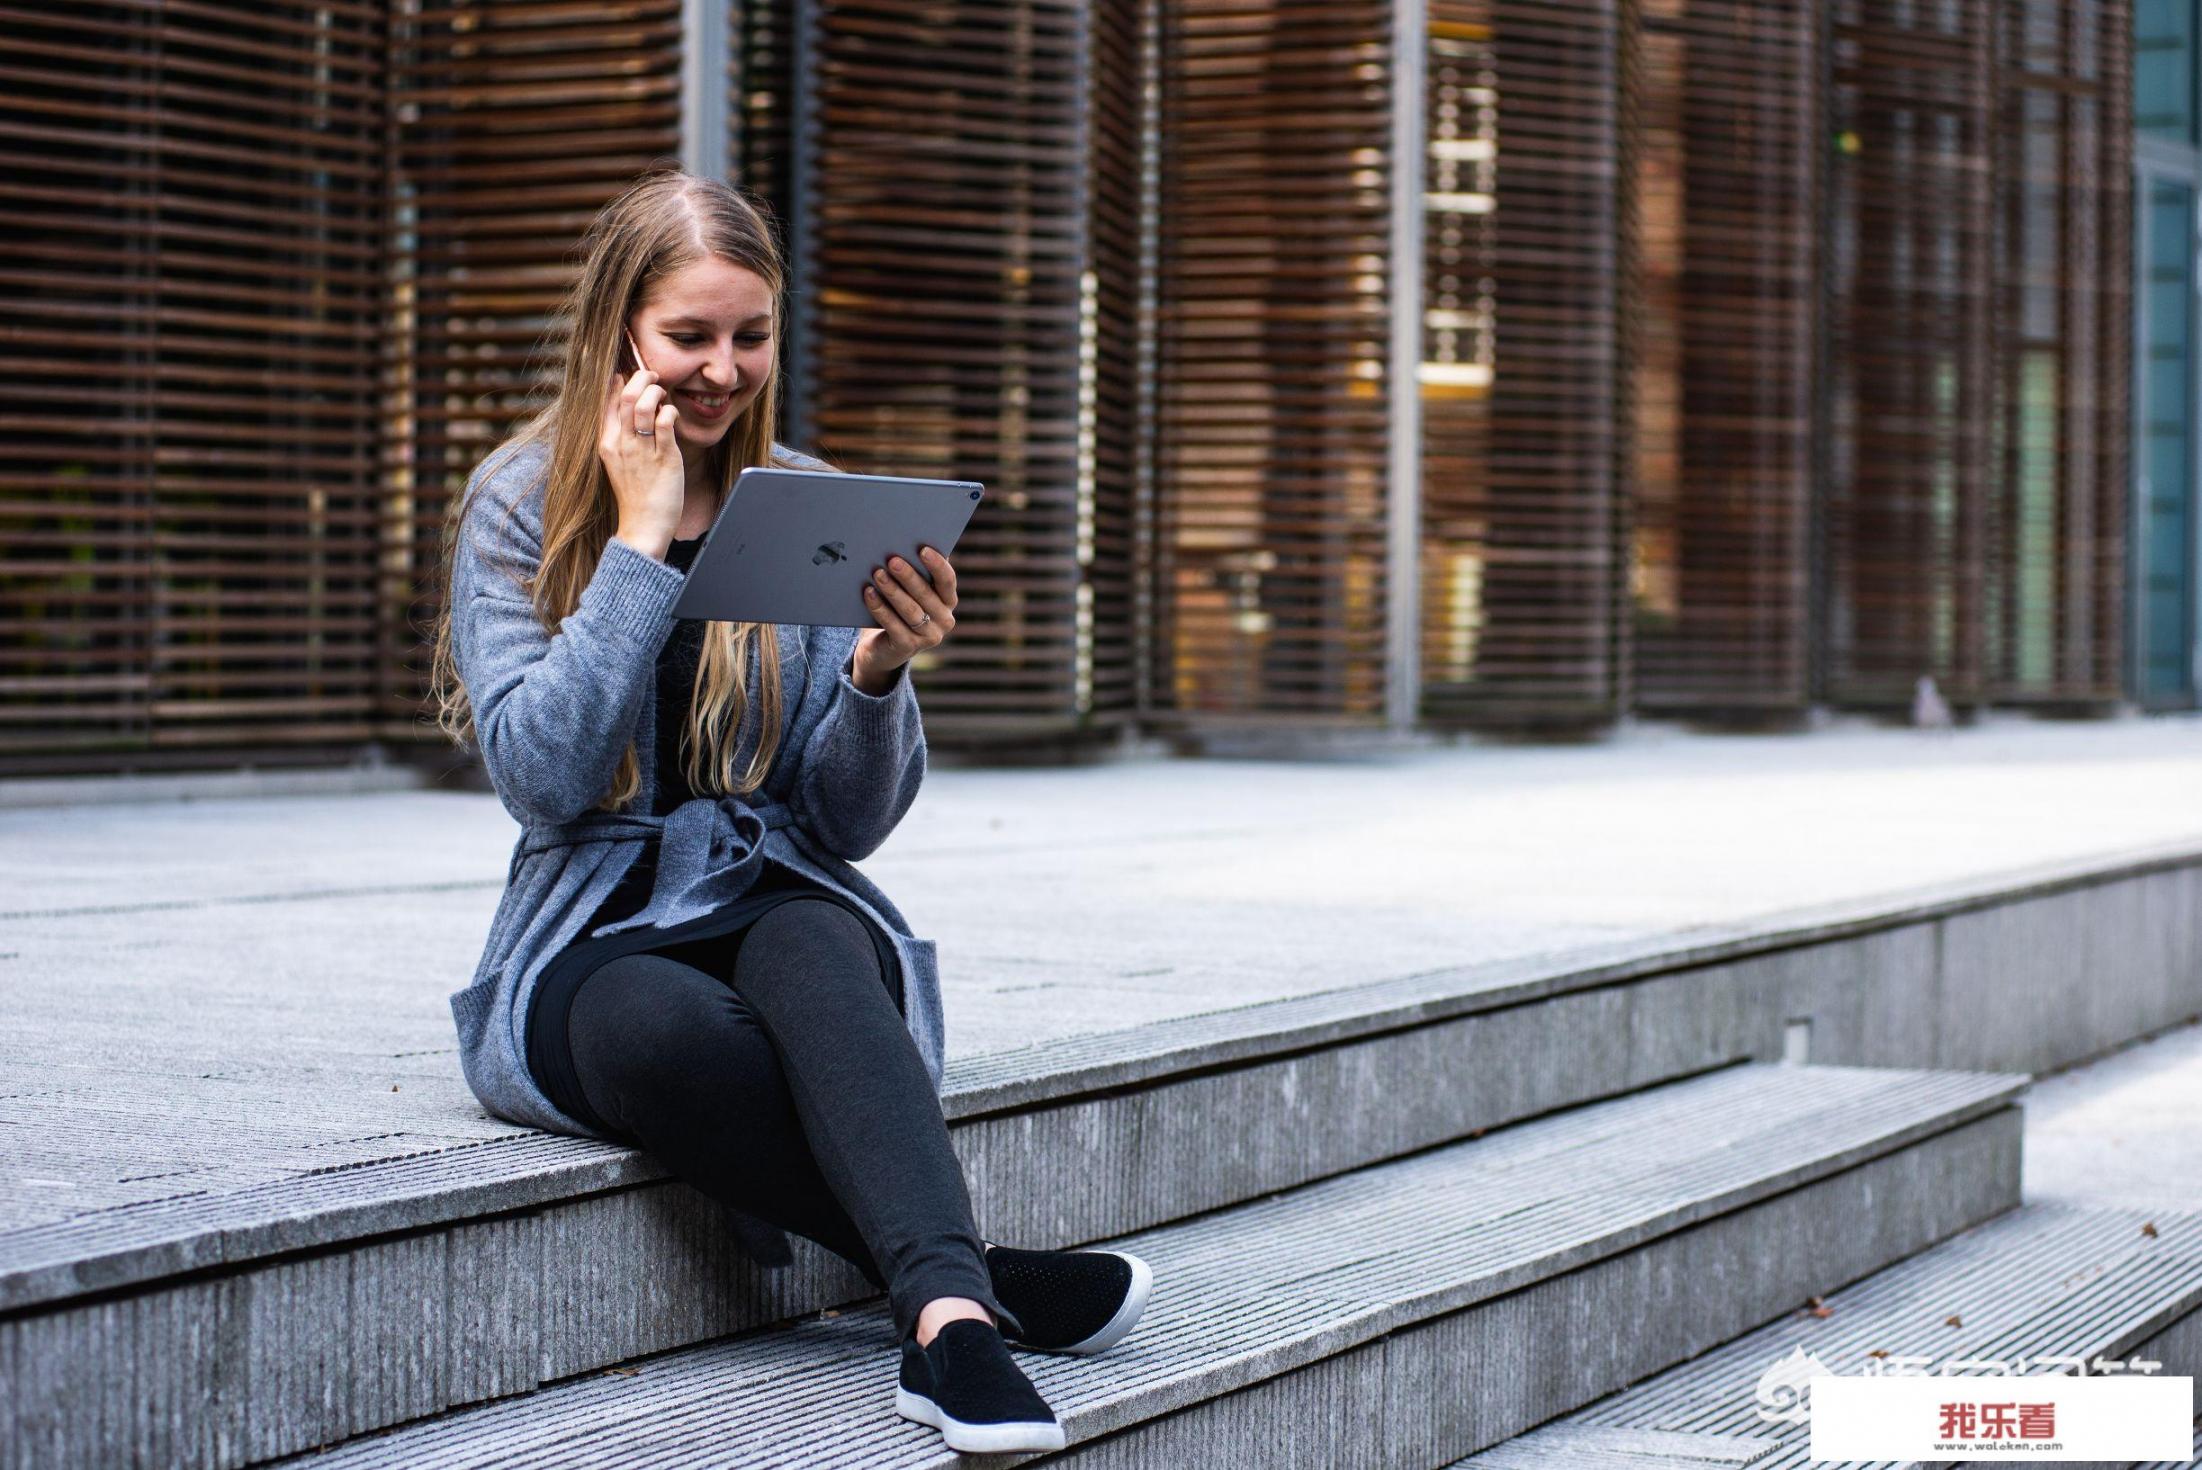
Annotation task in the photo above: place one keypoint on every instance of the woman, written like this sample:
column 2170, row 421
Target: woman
column 684, row 958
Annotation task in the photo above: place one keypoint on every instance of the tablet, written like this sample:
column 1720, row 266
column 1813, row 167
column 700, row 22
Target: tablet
column 798, row 546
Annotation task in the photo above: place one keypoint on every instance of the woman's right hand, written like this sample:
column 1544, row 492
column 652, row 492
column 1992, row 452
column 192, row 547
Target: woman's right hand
column 645, row 468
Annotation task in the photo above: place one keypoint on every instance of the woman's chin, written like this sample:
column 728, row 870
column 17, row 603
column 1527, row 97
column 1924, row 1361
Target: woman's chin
column 703, row 436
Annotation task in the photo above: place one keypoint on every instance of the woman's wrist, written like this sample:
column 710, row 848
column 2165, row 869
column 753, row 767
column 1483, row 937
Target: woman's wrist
column 651, row 542
column 869, row 682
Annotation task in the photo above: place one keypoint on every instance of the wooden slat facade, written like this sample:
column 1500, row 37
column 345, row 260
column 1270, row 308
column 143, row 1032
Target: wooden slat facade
column 1521, row 381
column 1905, row 503
column 1774, row 351
column 970, row 195
column 1725, row 364
column 190, row 250
column 514, row 121
column 2063, row 321
column 1272, row 337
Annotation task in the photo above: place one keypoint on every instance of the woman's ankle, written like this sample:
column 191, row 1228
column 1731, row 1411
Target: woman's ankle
column 939, row 1312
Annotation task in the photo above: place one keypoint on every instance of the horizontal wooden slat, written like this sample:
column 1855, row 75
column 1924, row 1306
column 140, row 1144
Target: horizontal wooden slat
column 190, row 318
column 1274, row 232
column 2056, row 587
column 1906, row 499
column 515, row 122
column 1725, row 359
column 971, row 314
column 1522, row 242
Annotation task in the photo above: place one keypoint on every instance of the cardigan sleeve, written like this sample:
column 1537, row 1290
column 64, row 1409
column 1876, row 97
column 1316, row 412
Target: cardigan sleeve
column 862, row 765
column 554, row 711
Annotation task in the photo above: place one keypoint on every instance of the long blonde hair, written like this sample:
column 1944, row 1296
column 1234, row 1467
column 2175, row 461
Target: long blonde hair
column 665, row 221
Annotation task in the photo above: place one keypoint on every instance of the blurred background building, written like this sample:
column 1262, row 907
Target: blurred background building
column 1360, row 365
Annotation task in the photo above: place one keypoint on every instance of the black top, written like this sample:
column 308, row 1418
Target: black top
column 676, row 689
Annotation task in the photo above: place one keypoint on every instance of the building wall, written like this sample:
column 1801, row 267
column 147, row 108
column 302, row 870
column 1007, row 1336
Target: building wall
column 1774, row 353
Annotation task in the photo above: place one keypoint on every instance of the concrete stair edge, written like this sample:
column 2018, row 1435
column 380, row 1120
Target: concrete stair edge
column 1718, row 1206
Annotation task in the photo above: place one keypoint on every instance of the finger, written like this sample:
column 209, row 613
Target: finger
column 647, row 404
column 637, row 383
column 615, row 394
column 902, row 602
column 921, row 591
column 898, row 632
column 944, row 575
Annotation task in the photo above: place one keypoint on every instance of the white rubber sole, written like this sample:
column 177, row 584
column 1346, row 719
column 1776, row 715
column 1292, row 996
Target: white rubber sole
column 979, row 1439
column 1127, row 1315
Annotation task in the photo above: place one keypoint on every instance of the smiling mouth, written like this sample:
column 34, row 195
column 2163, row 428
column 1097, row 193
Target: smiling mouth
column 707, row 406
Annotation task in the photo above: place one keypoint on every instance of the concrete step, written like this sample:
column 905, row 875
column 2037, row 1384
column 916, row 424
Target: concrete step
column 222, row 1154
column 2059, row 1280
column 1403, row 1314
column 318, row 1274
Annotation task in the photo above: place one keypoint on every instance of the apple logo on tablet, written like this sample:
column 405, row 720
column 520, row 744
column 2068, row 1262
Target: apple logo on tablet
column 831, row 551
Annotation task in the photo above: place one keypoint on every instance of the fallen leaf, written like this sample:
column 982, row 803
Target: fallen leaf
column 1823, row 1311
column 1953, row 1320
column 623, row 1372
column 1878, row 1353
column 2148, row 1228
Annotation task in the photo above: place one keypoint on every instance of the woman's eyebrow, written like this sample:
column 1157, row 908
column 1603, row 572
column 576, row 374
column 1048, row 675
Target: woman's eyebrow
column 697, row 321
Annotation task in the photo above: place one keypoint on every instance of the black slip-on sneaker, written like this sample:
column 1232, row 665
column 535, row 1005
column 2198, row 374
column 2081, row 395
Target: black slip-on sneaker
column 1069, row 1301
column 965, row 1384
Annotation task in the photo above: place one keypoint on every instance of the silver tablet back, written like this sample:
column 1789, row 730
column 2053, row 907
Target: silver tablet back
column 798, row 546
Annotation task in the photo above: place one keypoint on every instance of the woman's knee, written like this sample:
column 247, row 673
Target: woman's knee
column 811, row 939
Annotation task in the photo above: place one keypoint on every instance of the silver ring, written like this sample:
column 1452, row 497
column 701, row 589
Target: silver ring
column 647, row 433
column 921, row 622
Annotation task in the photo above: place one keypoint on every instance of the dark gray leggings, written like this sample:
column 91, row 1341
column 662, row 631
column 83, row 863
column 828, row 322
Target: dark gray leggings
column 772, row 1069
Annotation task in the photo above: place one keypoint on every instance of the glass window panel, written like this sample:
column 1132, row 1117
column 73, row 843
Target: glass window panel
column 2167, row 449
column 2163, row 69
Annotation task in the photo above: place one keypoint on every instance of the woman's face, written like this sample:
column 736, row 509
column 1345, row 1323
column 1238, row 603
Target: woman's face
column 707, row 333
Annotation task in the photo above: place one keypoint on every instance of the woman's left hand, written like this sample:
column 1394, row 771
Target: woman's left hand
column 912, row 614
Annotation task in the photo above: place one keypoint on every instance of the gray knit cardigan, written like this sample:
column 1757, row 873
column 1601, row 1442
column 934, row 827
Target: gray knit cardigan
column 552, row 714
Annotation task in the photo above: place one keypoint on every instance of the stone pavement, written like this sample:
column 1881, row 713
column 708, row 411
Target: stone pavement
column 200, row 995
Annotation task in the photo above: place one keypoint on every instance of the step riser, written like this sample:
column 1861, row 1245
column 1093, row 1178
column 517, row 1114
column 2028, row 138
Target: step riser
column 2178, row 1347
column 1991, row 988
column 1177, row 1149
column 1432, row 1393
column 1982, row 981
column 454, row 1315
column 235, row 1369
